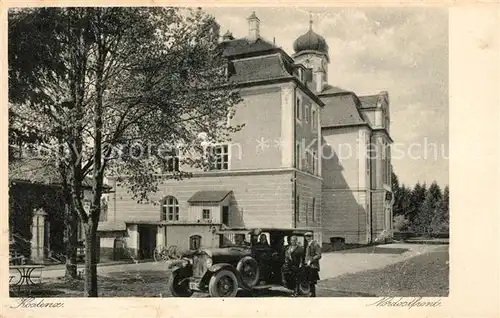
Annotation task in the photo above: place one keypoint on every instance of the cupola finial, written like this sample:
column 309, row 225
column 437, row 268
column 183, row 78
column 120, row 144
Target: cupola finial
column 310, row 21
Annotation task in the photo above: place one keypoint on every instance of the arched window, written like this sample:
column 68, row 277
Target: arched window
column 194, row 242
column 169, row 209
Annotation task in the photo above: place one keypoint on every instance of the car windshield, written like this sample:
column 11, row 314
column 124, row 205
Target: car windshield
column 245, row 239
column 234, row 239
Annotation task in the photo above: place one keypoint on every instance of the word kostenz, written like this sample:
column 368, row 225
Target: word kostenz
column 37, row 303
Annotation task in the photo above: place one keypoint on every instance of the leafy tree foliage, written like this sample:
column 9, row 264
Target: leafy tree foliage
column 419, row 209
column 428, row 209
column 35, row 61
column 114, row 80
column 406, row 199
column 402, row 203
column 400, row 223
column 417, row 198
column 441, row 221
column 399, row 197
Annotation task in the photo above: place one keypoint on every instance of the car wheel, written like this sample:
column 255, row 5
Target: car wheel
column 179, row 287
column 249, row 270
column 223, row 284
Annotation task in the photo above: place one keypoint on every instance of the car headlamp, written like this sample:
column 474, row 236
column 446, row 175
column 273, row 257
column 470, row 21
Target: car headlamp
column 209, row 262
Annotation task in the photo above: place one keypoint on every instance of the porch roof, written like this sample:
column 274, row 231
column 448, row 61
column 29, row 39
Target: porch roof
column 112, row 226
column 209, row 196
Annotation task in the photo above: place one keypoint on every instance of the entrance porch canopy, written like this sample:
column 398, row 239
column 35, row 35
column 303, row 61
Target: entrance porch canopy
column 209, row 196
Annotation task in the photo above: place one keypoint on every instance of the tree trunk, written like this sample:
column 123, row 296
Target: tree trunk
column 97, row 175
column 90, row 285
column 70, row 220
column 71, row 240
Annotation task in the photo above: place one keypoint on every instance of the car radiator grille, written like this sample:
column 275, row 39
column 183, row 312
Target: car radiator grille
column 199, row 265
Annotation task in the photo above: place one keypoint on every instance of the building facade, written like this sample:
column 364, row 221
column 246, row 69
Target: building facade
column 284, row 168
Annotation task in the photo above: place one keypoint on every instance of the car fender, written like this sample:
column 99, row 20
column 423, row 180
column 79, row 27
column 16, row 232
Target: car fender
column 183, row 269
column 225, row 266
column 220, row 266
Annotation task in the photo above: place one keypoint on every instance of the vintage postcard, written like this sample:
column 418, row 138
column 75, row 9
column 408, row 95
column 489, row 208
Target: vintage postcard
column 286, row 160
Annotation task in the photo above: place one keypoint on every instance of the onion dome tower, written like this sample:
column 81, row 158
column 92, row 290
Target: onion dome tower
column 311, row 50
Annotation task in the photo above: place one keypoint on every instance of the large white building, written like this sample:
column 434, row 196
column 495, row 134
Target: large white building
column 301, row 179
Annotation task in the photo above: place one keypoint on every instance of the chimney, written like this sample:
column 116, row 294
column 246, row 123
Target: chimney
column 253, row 27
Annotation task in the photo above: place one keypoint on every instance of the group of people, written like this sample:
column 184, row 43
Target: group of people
column 302, row 265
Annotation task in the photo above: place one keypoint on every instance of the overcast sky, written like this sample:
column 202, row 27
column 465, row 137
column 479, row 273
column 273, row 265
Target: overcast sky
column 402, row 51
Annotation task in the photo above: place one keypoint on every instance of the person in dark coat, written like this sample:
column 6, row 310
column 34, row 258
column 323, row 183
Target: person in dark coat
column 263, row 240
column 312, row 257
column 294, row 258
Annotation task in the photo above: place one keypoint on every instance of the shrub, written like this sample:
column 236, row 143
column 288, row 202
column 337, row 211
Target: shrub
column 384, row 236
column 401, row 223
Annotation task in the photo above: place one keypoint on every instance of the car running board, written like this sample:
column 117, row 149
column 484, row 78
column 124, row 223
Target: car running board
column 267, row 286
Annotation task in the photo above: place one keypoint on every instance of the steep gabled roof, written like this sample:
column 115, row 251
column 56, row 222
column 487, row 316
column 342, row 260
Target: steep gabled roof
column 111, row 226
column 369, row 101
column 209, row 196
column 262, row 68
column 340, row 110
column 243, row 46
column 256, row 62
column 329, row 89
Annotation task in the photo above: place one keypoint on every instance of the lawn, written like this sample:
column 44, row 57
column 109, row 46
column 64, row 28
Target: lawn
column 119, row 284
column 425, row 275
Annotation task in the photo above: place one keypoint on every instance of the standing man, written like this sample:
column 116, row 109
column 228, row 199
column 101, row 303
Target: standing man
column 312, row 257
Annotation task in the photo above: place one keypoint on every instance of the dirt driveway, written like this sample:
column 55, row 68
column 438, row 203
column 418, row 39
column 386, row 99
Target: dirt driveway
column 332, row 263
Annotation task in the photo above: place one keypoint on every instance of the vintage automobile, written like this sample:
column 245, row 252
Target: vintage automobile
column 240, row 262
